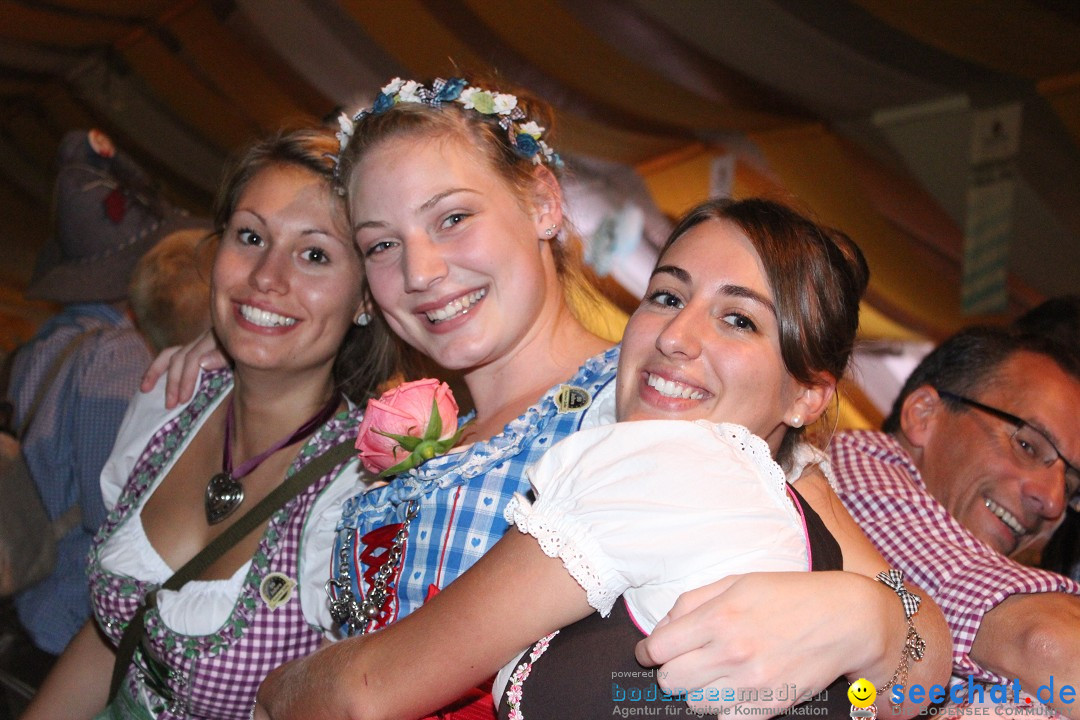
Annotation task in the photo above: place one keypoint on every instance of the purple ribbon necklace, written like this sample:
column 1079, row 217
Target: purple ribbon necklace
column 224, row 493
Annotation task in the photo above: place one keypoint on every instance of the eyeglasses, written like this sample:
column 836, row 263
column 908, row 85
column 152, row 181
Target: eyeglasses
column 1030, row 445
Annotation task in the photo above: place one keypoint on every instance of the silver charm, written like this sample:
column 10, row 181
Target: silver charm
column 345, row 609
column 223, row 496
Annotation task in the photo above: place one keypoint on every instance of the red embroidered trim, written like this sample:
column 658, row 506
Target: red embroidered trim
column 374, row 555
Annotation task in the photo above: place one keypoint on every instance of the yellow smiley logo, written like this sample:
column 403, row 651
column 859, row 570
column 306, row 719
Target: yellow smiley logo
column 862, row 693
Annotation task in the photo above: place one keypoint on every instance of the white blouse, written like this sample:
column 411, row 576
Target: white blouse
column 650, row 509
column 201, row 607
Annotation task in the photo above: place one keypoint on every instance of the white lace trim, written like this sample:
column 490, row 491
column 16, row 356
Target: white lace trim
column 602, row 409
column 806, row 455
column 761, row 455
column 555, row 537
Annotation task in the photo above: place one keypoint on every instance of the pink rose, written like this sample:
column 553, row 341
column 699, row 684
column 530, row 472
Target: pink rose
column 408, row 425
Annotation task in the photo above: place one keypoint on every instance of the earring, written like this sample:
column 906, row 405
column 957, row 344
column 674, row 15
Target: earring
column 796, row 421
column 550, row 231
column 362, row 320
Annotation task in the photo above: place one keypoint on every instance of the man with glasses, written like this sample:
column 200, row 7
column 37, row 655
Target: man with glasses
column 1059, row 318
column 977, row 462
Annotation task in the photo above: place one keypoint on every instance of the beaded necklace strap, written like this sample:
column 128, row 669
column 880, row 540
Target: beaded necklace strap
column 523, row 137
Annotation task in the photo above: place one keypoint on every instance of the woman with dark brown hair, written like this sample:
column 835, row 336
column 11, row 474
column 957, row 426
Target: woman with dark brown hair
column 285, row 290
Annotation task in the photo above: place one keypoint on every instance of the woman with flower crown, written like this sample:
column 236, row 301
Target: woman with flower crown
column 456, row 207
column 748, row 320
column 258, row 462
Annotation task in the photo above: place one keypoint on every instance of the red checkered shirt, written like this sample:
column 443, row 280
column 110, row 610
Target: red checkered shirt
column 883, row 490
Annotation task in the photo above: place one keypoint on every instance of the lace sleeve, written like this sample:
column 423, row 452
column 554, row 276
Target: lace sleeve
column 806, row 455
column 646, row 503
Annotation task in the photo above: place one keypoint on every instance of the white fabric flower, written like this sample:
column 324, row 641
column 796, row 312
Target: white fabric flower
column 504, row 103
column 409, row 92
column 347, row 129
column 393, row 86
column 531, row 128
column 466, row 97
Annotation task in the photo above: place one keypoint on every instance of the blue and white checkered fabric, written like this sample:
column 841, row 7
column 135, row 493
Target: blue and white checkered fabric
column 461, row 496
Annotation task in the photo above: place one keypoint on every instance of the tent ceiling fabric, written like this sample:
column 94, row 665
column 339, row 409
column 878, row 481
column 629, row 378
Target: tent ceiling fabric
column 795, row 90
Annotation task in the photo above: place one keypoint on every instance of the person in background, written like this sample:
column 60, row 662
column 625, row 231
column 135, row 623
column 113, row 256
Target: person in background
column 1059, row 318
column 107, row 215
column 976, row 462
column 170, row 288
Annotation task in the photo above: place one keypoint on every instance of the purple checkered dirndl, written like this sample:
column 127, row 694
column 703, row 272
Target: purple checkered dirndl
column 215, row 675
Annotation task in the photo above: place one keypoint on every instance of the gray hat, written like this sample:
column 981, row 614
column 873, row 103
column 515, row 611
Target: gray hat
column 108, row 213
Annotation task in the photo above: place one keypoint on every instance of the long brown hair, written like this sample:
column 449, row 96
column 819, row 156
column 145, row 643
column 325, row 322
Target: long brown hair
column 368, row 356
column 817, row 275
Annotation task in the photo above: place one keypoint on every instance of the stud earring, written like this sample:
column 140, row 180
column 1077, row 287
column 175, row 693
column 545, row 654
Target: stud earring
column 796, row 421
column 550, row 231
column 362, row 320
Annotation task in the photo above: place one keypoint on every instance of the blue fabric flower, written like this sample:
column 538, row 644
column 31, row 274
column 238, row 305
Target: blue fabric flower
column 451, row 90
column 382, row 103
column 526, row 144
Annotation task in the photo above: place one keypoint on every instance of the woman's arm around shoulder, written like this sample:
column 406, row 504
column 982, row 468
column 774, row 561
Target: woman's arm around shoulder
column 181, row 365
column 458, row 639
column 862, row 558
column 765, row 630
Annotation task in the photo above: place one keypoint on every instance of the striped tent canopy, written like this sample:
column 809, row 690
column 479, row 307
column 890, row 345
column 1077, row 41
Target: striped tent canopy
column 926, row 129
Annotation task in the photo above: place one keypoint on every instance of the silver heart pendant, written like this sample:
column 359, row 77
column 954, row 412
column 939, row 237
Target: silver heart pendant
column 223, row 496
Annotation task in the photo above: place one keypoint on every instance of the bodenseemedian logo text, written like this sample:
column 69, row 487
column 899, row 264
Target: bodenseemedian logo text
column 782, row 696
column 973, row 692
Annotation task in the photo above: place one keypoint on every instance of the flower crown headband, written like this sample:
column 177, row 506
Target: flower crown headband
column 524, row 137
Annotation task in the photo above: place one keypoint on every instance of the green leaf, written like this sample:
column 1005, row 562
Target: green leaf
column 407, row 464
column 484, row 103
column 424, row 449
column 461, row 431
column 408, row 442
column 434, row 426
